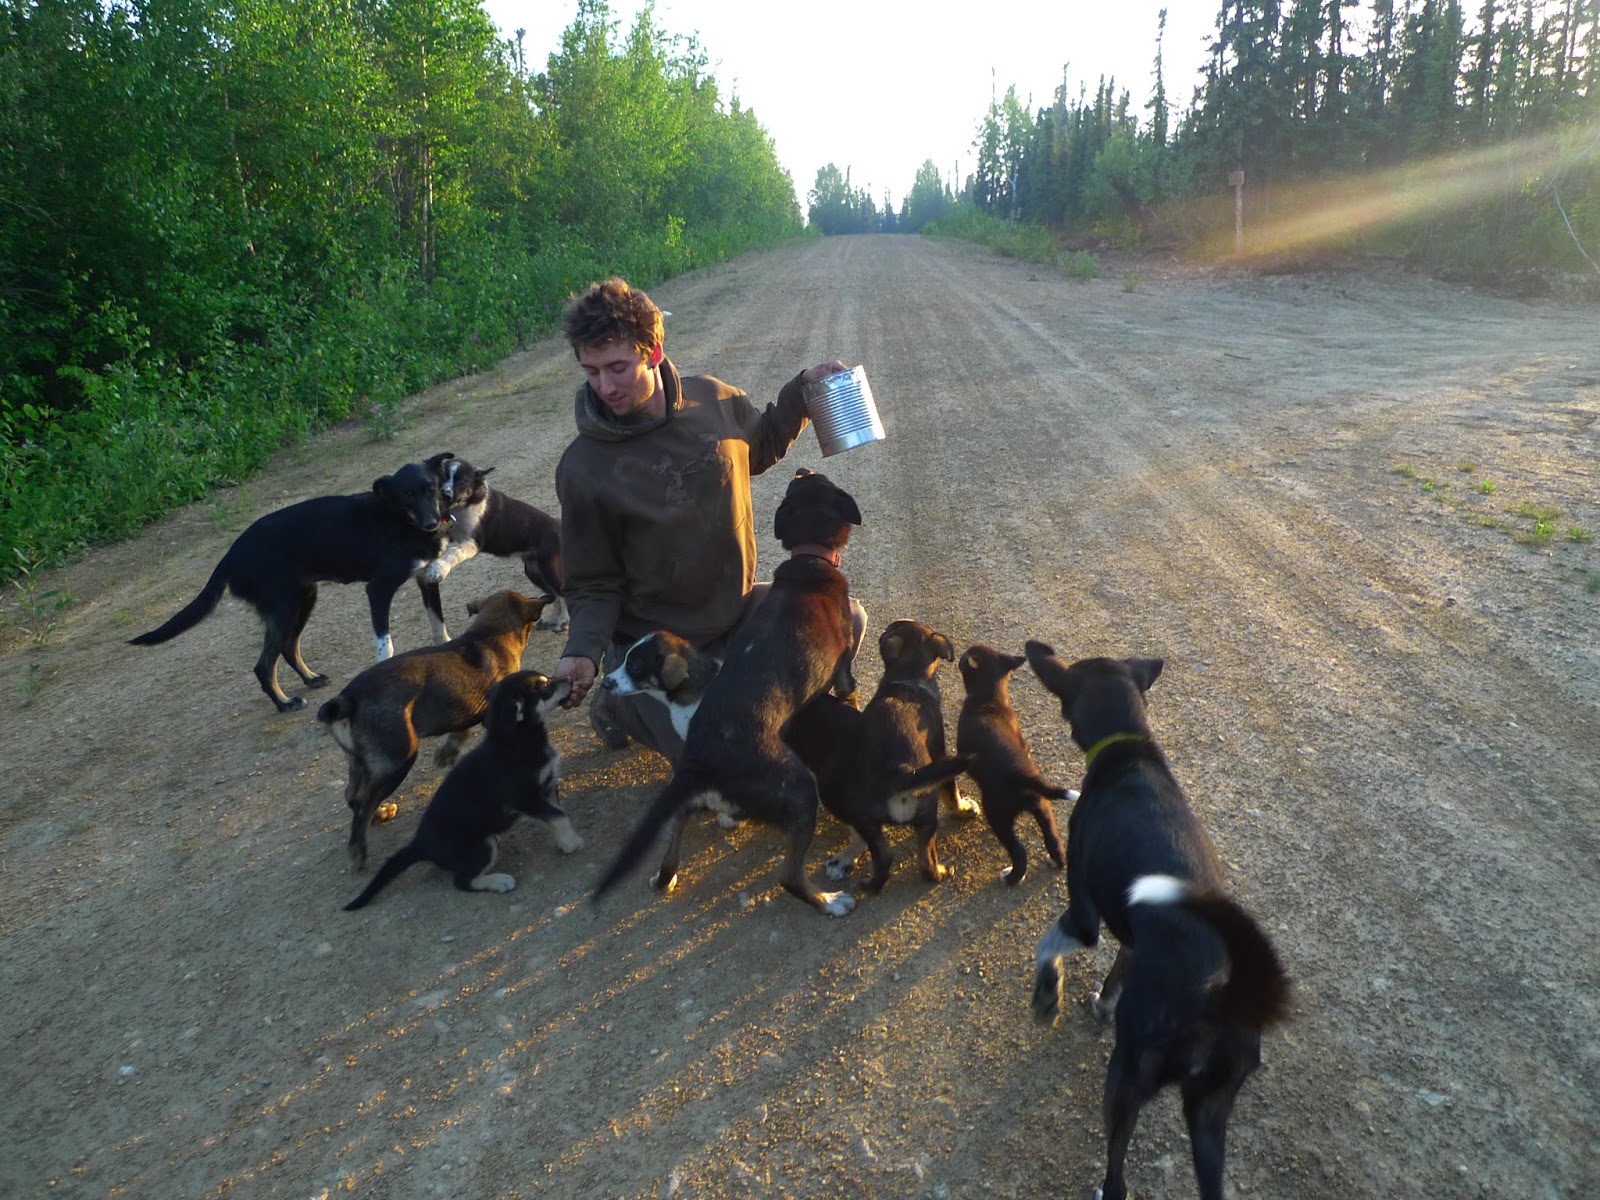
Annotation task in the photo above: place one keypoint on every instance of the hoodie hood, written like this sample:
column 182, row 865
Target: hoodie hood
column 595, row 420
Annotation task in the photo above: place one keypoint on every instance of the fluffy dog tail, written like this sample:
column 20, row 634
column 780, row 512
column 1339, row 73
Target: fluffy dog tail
column 1257, row 990
column 671, row 800
column 197, row 610
column 934, row 773
column 402, row 858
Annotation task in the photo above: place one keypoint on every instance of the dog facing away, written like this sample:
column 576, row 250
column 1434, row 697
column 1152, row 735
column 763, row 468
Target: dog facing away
column 796, row 644
column 486, row 519
column 897, row 768
column 1196, row 980
column 1008, row 780
column 381, row 715
column 666, row 666
column 380, row 538
column 513, row 773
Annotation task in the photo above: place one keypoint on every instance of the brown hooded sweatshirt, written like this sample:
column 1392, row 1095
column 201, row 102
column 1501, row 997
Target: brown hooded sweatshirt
column 656, row 525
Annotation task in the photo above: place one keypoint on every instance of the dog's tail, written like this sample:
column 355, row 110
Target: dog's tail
column 669, row 802
column 402, row 858
column 1257, row 990
column 336, row 714
column 1032, row 781
column 191, row 614
column 942, row 771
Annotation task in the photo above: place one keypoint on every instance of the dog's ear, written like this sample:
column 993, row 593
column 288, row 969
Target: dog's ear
column 674, row 670
column 847, row 508
column 482, row 474
column 969, row 660
column 1052, row 672
column 944, row 647
column 890, row 645
column 1012, row 661
column 474, row 607
column 383, row 486
column 438, row 460
column 1145, row 671
column 532, row 609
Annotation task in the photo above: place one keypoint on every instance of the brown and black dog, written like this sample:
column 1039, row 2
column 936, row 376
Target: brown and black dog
column 796, row 644
column 1195, row 980
column 894, row 770
column 382, row 713
column 1008, row 780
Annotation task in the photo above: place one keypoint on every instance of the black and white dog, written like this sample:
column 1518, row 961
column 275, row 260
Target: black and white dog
column 664, row 665
column 1195, row 979
column 513, row 773
column 380, row 538
column 486, row 519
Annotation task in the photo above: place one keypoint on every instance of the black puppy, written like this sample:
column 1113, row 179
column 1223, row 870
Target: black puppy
column 1195, row 980
column 484, row 518
column 898, row 769
column 796, row 644
column 1009, row 781
column 513, row 773
column 382, row 537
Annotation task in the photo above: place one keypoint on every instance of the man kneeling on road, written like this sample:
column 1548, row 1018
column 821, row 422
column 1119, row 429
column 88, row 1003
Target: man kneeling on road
column 656, row 514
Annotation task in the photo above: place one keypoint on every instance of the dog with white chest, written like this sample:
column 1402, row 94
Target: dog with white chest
column 666, row 667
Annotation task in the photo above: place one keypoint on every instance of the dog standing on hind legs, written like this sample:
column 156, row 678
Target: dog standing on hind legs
column 1008, row 780
column 1196, row 980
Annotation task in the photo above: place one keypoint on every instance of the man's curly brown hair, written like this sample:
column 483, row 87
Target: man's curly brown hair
column 610, row 312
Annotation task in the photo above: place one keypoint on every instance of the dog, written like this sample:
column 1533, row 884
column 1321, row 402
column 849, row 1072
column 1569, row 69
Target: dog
column 666, row 666
column 797, row 643
column 893, row 770
column 513, row 773
column 485, row 519
column 1008, row 780
column 384, row 711
column 1196, row 980
column 382, row 537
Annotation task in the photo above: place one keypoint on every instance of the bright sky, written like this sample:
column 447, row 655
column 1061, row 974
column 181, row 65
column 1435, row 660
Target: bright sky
column 879, row 88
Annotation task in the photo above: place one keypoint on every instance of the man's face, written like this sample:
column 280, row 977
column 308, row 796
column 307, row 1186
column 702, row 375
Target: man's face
column 620, row 375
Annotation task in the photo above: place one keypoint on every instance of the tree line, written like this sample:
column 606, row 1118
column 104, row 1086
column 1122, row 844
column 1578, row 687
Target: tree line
column 224, row 224
column 1481, row 130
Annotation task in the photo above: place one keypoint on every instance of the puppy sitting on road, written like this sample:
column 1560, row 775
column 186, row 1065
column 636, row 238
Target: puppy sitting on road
column 897, row 766
column 1195, row 980
column 664, row 665
column 380, row 538
column 513, row 773
column 486, row 519
column 796, row 644
column 1010, row 784
column 383, row 712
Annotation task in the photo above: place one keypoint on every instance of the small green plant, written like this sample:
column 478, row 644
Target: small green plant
column 1131, row 281
column 1536, row 512
column 1406, row 471
column 40, row 608
column 1486, row 487
column 1080, row 264
column 1541, row 535
column 1579, row 535
column 384, row 419
column 1467, row 468
column 1592, row 583
column 31, row 683
column 1431, row 485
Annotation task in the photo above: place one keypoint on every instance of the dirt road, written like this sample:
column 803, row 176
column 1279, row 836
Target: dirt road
column 1318, row 498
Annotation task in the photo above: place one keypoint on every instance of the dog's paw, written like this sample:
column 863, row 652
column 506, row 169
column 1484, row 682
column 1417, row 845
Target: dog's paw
column 292, row 705
column 317, row 681
column 939, row 873
column 435, row 572
column 1012, row 876
column 839, row 867
column 836, row 904
column 662, row 882
column 966, row 806
column 1104, row 1010
column 568, row 840
column 1046, row 1002
column 387, row 811
column 493, row 883
column 553, row 624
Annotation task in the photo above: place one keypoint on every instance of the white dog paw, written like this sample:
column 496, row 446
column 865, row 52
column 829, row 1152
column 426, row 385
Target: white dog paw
column 836, row 904
column 493, row 883
column 568, row 840
column 966, row 806
column 727, row 820
column 435, row 572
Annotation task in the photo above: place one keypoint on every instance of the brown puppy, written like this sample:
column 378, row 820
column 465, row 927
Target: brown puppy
column 1010, row 783
column 900, row 768
column 383, row 712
